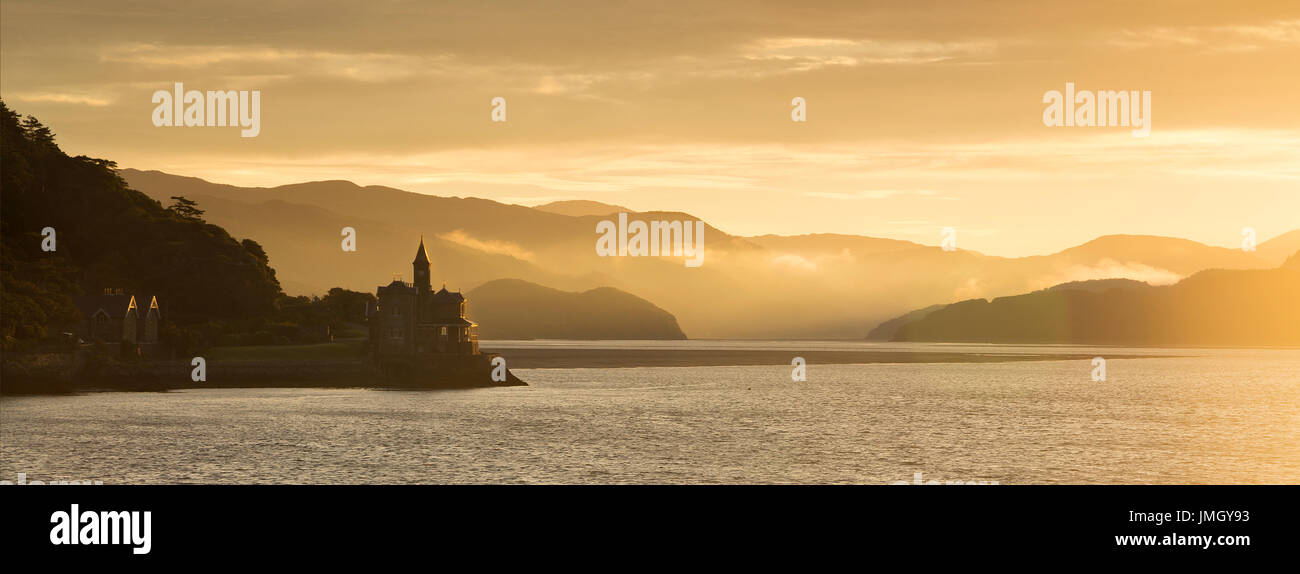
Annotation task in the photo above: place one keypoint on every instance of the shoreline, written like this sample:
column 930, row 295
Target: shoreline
column 162, row 376
column 578, row 358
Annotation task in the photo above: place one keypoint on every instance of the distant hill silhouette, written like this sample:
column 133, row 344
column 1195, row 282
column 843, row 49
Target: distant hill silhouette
column 1181, row 256
column 807, row 286
column 1098, row 285
column 581, row 207
column 1280, row 247
column 1257, row 307
column 515, row 309
column 888, row 329
column 1292, row 262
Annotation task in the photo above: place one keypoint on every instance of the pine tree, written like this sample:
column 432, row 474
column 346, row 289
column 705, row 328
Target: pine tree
column 186, row 208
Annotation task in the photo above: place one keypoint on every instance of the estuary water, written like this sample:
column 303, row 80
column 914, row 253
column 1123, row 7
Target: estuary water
column 1188, row 416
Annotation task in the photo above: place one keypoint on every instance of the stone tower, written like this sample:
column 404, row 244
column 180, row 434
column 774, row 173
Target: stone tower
column 421, row 267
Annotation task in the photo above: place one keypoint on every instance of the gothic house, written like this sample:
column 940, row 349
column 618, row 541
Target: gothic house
column 411, row 320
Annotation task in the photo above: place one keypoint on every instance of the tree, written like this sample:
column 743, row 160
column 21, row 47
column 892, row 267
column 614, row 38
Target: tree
column 37, row 133
column 255, row 249
column 110, row 235
column 186, row 208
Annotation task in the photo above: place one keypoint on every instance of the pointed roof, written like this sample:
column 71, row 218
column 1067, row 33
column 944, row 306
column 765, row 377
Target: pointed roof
column 443, row 294
column 421, row 256
column 115, row 305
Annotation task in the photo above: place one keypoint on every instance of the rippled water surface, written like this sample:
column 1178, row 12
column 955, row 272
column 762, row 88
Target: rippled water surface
column 1207, row 417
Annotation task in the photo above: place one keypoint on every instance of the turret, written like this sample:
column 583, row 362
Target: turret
column 421, row 267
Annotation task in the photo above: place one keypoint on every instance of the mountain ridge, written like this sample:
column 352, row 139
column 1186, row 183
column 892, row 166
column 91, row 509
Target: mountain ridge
column 1213, row 307
column 823, row 285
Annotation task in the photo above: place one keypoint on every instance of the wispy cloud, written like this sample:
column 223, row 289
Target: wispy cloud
column 512, row 249
column 805, row 54
column 838, row 172
column 358, row 66
column 879, row 194
column 813, row 263
column 1112, row 269
column 63, row 98
column 1237, row 38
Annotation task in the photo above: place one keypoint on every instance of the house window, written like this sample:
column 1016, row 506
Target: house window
column 100, row 328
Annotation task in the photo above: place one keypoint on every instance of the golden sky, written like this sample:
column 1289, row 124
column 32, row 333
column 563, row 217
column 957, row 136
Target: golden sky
column 921, row 115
